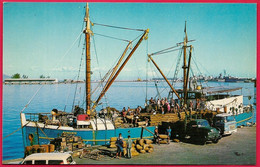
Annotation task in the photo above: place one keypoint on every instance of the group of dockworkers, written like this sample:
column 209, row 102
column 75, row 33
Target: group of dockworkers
column 119, row 142
column 119, row 145
column 134, row 115
column 164, row 105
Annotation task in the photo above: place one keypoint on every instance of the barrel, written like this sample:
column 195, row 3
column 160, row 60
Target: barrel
column 46, row 147
column 28, row 148
column 225, row 109
column 217, row 110
column 51, row 147
column 41, row 149
column 36, row 146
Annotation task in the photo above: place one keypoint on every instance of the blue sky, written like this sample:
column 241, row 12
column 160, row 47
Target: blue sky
column 39, row 37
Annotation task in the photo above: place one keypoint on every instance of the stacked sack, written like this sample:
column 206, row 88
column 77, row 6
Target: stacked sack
column 143, row 145
column 163, row 139
column 134, row 151
column 113, row 142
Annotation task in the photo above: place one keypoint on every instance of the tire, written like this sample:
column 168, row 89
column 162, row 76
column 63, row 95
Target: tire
column 203, row 141
column 215, row 140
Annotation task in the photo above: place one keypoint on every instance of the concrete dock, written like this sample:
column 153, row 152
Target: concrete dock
column 237, row 149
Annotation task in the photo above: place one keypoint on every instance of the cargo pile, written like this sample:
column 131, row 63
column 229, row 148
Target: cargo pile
column 113, row 142
column 157, row 119
column 68, row 142
column 46, row 148
column 118, row 122
column 92, row 154
column 163, row 139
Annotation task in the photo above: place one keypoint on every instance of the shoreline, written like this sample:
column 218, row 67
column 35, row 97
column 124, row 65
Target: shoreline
column 75, row 82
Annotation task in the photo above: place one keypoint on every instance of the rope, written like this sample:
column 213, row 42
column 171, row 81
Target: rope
column 80, row 64
column 163, row 83
column 12, row 133
column 40, row 129
column 112, row 37
column 125, row 28
column 137, row 37
column 99, row 70
column 46, row 78
column 146, row 84
column 165, row 50
column 31, row 99
column 16, row 131
column 177, row 68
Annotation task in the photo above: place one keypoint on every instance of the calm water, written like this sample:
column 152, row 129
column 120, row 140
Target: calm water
column 60, row 96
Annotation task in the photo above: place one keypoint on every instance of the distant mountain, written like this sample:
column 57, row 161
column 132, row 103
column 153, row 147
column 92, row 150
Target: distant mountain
column 5, row 77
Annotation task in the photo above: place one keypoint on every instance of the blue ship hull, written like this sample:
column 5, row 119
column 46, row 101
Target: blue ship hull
column 243, row 118
column 92, row 137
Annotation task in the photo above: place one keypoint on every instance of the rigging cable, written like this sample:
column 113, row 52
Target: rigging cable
column 177, row 68
column 80, row 64
column 125, row 40
column 31, row 99
column 99, row 70
column 146, row 73
column 125, row 28
column 167, row 50
column 153, row 71
column 166, row 87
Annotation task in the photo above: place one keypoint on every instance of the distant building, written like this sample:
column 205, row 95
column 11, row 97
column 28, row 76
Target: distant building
column 31, row 81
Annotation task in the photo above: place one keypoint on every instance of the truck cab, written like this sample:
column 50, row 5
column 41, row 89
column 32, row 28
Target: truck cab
column 200, row 130
column 226, row 123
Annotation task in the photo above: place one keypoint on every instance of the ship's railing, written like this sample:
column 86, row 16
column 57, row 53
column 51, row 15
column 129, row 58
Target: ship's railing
column 35, row 116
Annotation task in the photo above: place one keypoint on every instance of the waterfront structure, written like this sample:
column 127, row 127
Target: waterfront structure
column 31, row 81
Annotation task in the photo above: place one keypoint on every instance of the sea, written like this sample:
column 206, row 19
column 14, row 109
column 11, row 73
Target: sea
column 44, row 98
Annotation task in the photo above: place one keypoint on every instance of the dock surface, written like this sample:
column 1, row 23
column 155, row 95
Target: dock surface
column 237, row 149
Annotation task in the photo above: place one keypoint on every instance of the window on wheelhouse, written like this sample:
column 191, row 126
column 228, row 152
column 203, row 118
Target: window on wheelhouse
column 230, row 118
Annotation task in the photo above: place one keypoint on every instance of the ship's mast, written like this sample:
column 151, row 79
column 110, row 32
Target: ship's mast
column 88, row 32
column 184, row 65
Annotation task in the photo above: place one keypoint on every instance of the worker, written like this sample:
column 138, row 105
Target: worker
column 198, row 105
column 119, row 145
column 129, row 146
column 169, row 131
column 156, row 136
column 177, row 107
column 124, row 115
column 191, row 105
column 172, row 101
column 182, row 103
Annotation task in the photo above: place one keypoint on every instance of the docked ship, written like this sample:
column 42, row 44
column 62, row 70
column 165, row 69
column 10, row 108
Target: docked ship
column 214, row 100
column 93, row 127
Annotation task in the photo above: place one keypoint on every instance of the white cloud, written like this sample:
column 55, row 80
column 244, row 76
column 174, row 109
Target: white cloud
column 64, row 69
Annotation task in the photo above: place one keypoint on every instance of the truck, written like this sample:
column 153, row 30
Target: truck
column 199, row 130
column 226, row 123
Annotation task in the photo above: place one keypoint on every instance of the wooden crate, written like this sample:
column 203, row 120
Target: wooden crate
column 63, row 144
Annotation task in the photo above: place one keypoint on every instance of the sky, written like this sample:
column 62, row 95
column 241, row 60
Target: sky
column 45, row 38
